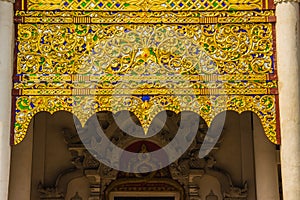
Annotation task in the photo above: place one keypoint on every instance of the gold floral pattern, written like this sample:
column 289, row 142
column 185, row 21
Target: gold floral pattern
column 146, row 108
column 204, row 56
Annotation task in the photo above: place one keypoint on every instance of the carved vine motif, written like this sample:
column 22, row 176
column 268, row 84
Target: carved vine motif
column 84, row 107
column 80, row 57
column 82, row 49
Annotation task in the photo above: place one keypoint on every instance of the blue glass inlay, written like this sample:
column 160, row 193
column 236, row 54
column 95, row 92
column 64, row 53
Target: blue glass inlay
column 145, row 98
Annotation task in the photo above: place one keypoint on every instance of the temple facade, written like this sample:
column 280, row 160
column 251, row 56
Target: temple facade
column 152, row 100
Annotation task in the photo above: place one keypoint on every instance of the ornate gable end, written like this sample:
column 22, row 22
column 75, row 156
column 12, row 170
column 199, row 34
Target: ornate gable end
column 86, row 56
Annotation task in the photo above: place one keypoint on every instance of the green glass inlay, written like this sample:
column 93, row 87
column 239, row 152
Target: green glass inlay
column 42, row 60
column 18, row 126
column 95, row 37
column 24, row 104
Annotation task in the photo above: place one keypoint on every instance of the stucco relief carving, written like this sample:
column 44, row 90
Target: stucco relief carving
column 188, row 171
column 211, row 196
column 49, row 192
column 227, row 190
column 76, row 197
column 59, row 190
column 85, row 167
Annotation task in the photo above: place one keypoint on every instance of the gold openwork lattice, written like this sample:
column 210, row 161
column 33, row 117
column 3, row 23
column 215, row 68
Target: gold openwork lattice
column 97, row 49
column 145, row 5
column 207, row 57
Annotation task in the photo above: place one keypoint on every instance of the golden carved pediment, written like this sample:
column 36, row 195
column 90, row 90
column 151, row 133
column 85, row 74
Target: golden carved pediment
column 145, row 56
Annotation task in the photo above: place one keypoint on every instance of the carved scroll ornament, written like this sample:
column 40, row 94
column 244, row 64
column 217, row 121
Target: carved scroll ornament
column 145, row 62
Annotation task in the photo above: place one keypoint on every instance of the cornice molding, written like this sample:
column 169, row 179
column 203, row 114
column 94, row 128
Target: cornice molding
column 286, row 1
column 11, row 1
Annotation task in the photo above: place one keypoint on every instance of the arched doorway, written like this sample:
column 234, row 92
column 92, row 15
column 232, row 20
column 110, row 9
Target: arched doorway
column 57, row 166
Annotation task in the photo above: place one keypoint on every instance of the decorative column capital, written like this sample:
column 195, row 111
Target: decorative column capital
column 281, row 1
column 11, row 1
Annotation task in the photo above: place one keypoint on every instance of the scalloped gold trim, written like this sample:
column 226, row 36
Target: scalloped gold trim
column 83, row 107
